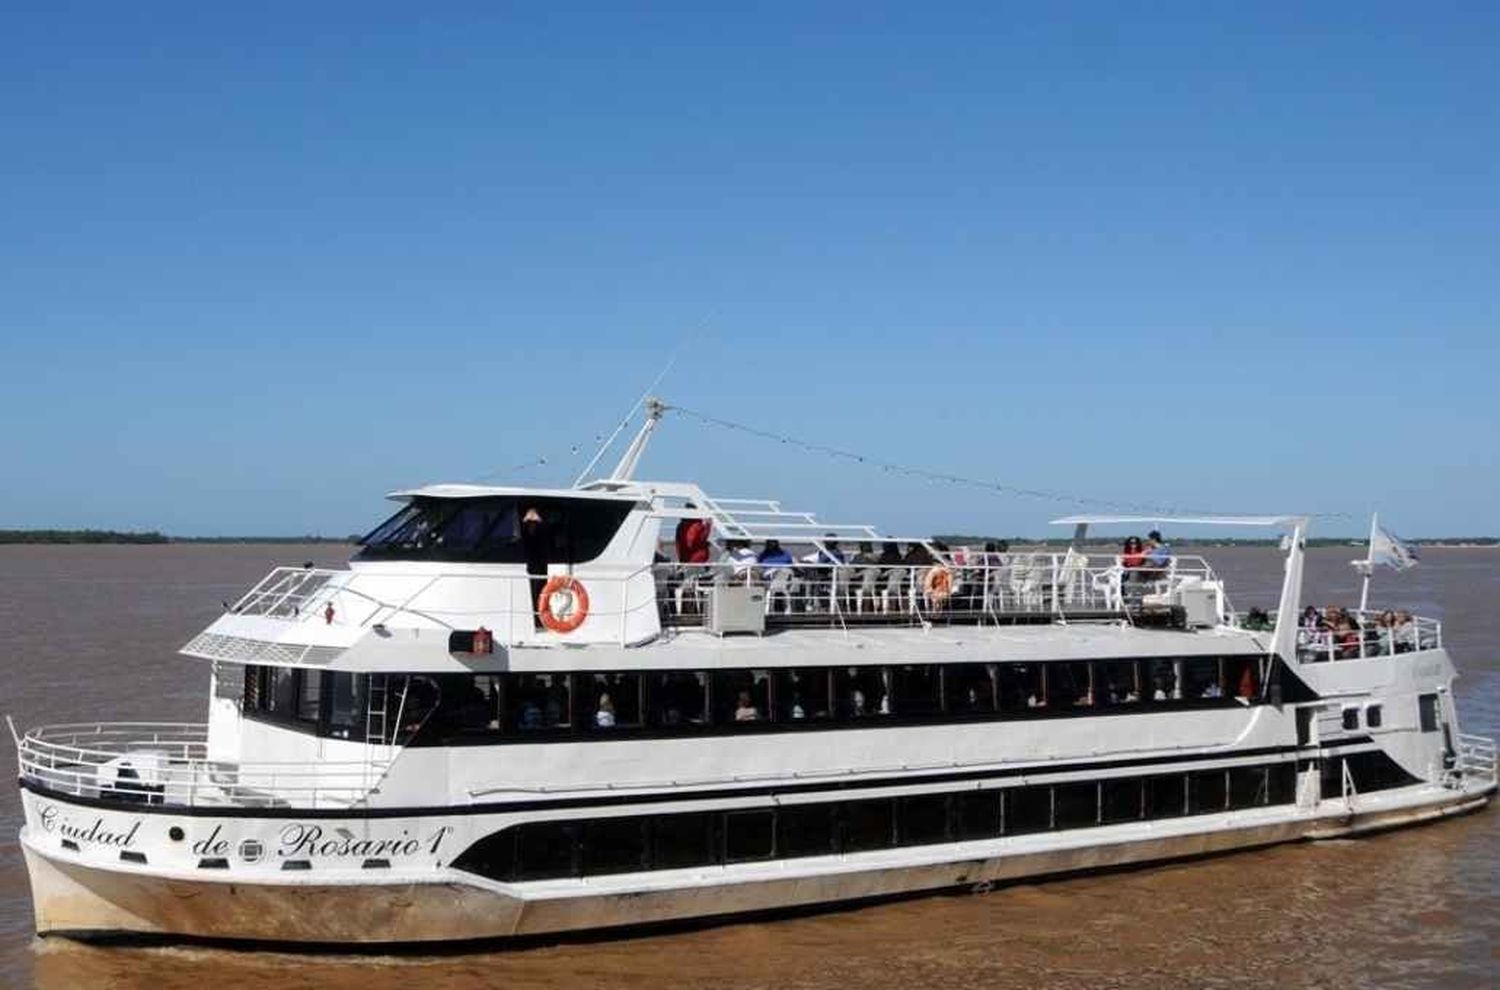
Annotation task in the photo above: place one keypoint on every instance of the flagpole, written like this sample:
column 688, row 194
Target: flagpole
column 1369, row 568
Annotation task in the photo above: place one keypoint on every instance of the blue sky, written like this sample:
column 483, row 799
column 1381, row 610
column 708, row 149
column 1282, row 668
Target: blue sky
column 259, row 265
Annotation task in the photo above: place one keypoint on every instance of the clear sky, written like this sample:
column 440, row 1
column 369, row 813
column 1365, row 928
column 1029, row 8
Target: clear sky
column 260, row 263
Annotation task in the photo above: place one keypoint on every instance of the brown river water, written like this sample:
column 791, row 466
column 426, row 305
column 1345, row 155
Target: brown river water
column 89, row 633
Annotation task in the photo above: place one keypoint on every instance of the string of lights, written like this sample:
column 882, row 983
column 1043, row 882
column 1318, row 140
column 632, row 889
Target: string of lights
column 908, row 471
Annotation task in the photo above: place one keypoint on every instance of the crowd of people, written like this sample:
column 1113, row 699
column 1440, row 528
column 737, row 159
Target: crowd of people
column 1338, row 633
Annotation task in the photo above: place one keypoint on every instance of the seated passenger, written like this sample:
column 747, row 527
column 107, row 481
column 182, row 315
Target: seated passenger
column 745, row 710
column 1158, row 551
column 857, row 704
column 692, row 539
column 741, row 557
column 890, row 554
column 773, row 556
column 798, row 712
column 918, row 555
column 1404, row 633
column 604, row 717
column 1213, row 690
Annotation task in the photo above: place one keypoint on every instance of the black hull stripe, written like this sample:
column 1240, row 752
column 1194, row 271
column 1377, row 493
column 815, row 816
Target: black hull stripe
column 616, row 800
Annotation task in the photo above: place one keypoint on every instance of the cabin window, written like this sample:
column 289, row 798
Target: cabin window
column 869, row 825
column 1351, row 719
column 1373, row 716
column 546, row 850
column 1207, row 792
column 923, row 819
column 281, row 691
column 684, row 841
column 1119, row 682
column 1121, row 800
column 1075, row 805
column 1202, row 678
column 1247, row 787
column 346, row 715
column 861, row 692
column 806, row 830
column 1281, row 783
column 748, row 835
column 1071, row 684
column 1161, row 681
column 1028, row 809
column 803, row 694
column 1166, row 796
column 611, row 701
column 614, row 845
column 916, row 690
column 741, row 696
column 1242, row 677
column 539, row 702
column 1427, row 712
column 976, row 814
column 971, row 688
column 679, row 697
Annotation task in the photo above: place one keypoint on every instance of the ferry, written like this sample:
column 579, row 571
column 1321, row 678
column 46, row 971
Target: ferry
column 525, row 711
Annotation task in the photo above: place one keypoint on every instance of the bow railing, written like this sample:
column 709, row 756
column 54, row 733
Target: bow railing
column 166, row 763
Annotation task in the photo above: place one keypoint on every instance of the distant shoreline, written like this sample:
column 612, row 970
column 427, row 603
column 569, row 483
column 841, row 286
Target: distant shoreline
column 97, row 537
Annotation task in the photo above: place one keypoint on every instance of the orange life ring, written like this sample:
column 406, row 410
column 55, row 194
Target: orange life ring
column 573, row 611
column 937, row 583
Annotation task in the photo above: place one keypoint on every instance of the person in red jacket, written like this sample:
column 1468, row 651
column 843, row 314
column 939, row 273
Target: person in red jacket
column 692, row 539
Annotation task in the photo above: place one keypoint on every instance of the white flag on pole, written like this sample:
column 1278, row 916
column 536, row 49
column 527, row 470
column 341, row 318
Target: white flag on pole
column 1388, row 549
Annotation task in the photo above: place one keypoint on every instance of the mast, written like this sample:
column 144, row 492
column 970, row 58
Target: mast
column 1367, row 566
column 1284, row 639
column 628, row 460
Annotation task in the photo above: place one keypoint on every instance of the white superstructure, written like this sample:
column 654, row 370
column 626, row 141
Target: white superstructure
column 519, row 711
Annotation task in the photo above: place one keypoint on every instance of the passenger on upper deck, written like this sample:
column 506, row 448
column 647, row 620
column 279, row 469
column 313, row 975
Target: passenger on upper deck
column 1132, row 554
column 1158, row 551
column 890, row 554
column 773, row 556
column 741, row 556
column 918, row 555
column 692, row 539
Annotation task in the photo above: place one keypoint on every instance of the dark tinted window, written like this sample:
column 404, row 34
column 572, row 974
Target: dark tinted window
column 1121, row 800
column 684, row 840
column 1373, row 716
column 545, row 850
column 1427, row 712
column 1166, row 797
column 1028, row 809
column 971, row 688
column 868, row 825
column 803, row 694
column 1207, row 792
column 747, row 836
column 1076, row 805
column 1202, row 679
column 915, row 690
column 1119, row 682
column 538, row 702
column 1351, row 719
column 923, row 819
column 1281, row 783
column 805, row 830
column 346, row 715
column 1247, row 787
column 486, row 530
column 678, row 697
column 614, row 845
column 976, row 814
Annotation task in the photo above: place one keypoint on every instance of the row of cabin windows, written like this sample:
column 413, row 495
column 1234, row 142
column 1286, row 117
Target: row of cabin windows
column 591, row 847
column 456, row 708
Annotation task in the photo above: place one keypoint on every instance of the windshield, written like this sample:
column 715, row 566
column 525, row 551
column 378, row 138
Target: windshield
column 487, row 530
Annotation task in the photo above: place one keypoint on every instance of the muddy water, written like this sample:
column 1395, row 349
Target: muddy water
column 89, row 633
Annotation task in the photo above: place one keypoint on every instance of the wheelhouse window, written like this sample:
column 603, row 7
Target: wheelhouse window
column 488, row 530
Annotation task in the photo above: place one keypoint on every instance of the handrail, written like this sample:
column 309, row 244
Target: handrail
column 167, row 763
column 1413, row 634
column 1476, row 760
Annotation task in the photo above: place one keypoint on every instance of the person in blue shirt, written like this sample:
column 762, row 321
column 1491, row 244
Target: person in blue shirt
column 773, row 556
column 1158, row 551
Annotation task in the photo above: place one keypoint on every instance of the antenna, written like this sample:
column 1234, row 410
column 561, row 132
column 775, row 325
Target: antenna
column 646, row 398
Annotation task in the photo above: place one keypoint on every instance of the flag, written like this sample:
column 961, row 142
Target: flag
column 1388, row 549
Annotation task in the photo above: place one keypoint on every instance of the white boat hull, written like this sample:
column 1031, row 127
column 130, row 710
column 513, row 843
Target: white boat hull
column 81, row 899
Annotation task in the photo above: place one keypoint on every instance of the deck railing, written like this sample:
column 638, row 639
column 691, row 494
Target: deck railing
column 1370, row 639
column 167, row 763
column 285, row 593
column 973, row 586
column 1475, row 762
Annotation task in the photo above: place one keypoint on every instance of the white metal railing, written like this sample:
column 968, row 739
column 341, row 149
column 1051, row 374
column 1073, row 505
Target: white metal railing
column 167, row 763
column 1371, row 633
column 285, row 593
column 974, row 585
column 1475, row 761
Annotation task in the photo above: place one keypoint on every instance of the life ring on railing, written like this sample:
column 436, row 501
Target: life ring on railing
column 564, row 603
column 937, row 583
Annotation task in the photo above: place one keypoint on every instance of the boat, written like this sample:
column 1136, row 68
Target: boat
column 527, row 711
